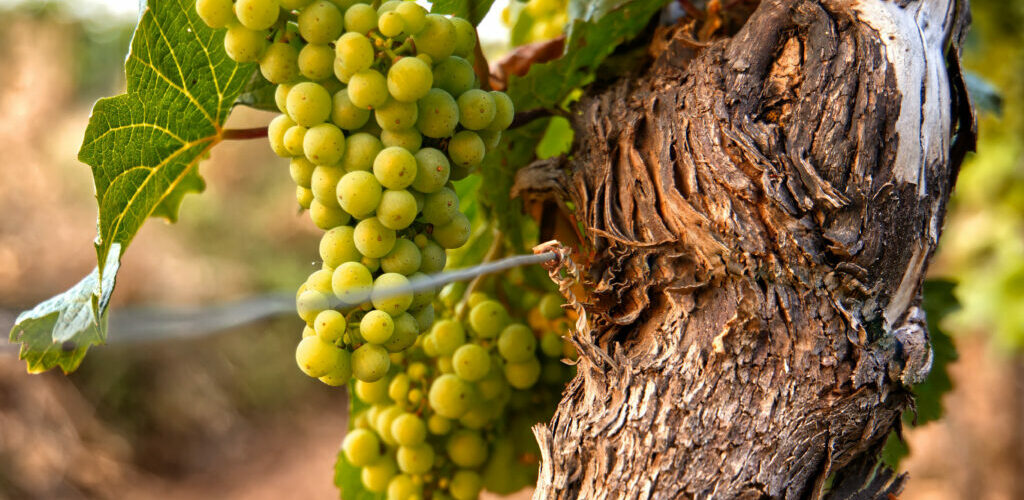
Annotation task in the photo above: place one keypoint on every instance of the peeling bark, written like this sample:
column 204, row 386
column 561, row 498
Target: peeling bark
column 761, row 213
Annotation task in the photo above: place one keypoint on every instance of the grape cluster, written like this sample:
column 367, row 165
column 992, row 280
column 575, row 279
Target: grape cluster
column 547, row 19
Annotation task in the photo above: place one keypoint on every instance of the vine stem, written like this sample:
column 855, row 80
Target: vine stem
column 492, row 253
column 237, row 134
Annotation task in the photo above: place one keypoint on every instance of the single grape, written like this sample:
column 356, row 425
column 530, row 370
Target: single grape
column 466, row 149
column 550, row 306
column 281, row 96
column 342, row 74
column 403, row 259
column 402, row 487
column 491, row 139
column 377, row 327
column 293, row 139
column 359, row 193
column 309, row 104
column 373, row 265
column 413, row 15
column 280, row 63
column 294, row 4
column 352, row 282
column 517, row 343
column 408, row 429
column 342, row 371
column 383, row 293
column 368, row 89
column 450, row 396
column 257, row 14
column 465, row 485
column 444, row 365
column 396, row 115
column 325, row 217
column 406, row 330
column 370, row 362
column 323, row 183
column 416, row 459
column 347, row 115
column 437, row 38
column 215, row 13
column 423, row 295
column 360, row 18
column 316, row 62
column 276, row 130
column 321, row 22
column 374, row 239
column 551, row 345
column 388, row 6
column 361, row 447
column 477, row 298
column 523, row 375
column 504, row 112
column 376, row 476
column 448, row 335
column 383, row 423
column 471, row 362
column 438, row 114
column 391, row 24
column 432, row 170
column 304, row 196
column 494, row 384
column 315, row 357
column 488, row 318
column 409, row 79
column 454, row 75
column 330, row 325
column 398, row 388
column 465, row 37
column 476, row 109
column 395, row 168
column 309, row 304
column 455, row 233
column 452, row 293
column 434, row 258
column 374, row 393
column 466, row 448
column 438, row 425
column 424, row 317
column 440, row 207
column 243, row 44
column 354, row 52
column 360, row 150
column 337, row 247
column 408, row 139
column 324, row 144
column 320, row 281
column 397, row 209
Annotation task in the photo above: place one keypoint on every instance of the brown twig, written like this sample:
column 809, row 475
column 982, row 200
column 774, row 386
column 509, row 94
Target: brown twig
column 236, row 134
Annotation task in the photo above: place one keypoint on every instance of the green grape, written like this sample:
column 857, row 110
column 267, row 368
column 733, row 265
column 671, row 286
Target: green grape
column 325, row 217
column 359, row 193
column 437, row 38
column 320, row 281
column 321, row 22
column 493, row 385
column 280, row 63
column 360, row 18
column 395, row 168
column 346, row 115
column 257, row 14
column 465, row 37
column 281, row 96
column 550, row 306
column 466, row 149
column 476, row 298
column 476, row 109
column 372, row 128
column 396, row 115
column 398, row 389
column 409, row 79
column 438, row 425
column 523, row 375
column 383, row 423
column 370, row 362
column 449, row 396
column 360, row 150
column 374, row 393
column 551, row 345
column 471, row 362
column 424, row 317
column 341, row 373
column 438, row 114
column 397, row 209
column 215, row 13
column 440, row 207
column 323, row 183
column 402, row 487
column 354, row 52
column 309, row 104
column 304, row 196
column 406, row 330
column 416, row 459
column 504, row 112
column 352, row 282
column 388, row 6
column 414, row 16
column 466, row 448
column 324, row 144
column 417, row 370
column 403, row 259
column 452, row 293
column 465, row 485
column 376, row 476
column 341, row 74
column 408, row 430
column 448, row 336
column 454, row 75
column 294, row 4
column 444, row 364
column 385, row 285
column 361, row 447
column 423, row 296
column 316, row 62
column 491, row 139
column 391, row 24
column 368, row 89
column 432, row 169
column 309, row 304
column 244, row 45
column 479, row 416
column 337, row 247
column 292, row 139
column 458, row 173
column 377, row 327
column 488, row 318
column 409, row 139
column 276, row 130
column 315, row 357
column 329, row 325
column 372, row 264
column 415, row 397
column 455, row 233
column 517, row 343
column 374, row 239
column 433, row 259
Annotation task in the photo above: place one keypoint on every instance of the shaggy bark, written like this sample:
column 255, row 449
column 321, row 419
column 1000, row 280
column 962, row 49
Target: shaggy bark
column 760, row 213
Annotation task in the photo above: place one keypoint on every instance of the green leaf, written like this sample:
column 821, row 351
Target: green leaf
column 498, row 174
column 471, row 10
column 259, row 94
column 557, row 139
column 143, row 147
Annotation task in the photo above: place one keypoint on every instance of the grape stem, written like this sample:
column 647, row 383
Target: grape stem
column 236, row 134
column 492, row 253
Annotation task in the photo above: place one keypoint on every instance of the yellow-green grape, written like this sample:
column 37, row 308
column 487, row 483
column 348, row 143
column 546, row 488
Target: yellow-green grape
column 438, row 114
column 257, row 14
column 294, row 4
column 341, row 373
column 281, row 96
column 450, row 396
column 370, row 362
column 307, row 331
column 324, row 144
column 360, row 18
column 347, row 115
column 416, row 459
column 377, row 327
column 383, row 293
column 360, row 150
column 465, row 37
column 330, row 325
column 325, row 217
column 491, row 139
column 376, row 476
column 315, row 357
column 454, row 234
column 440, row 207
column 293, row 139
column 359, row 193
column 398, row 388
column 444, row 364
column 397, row 209
column 454, row 75
column 404, row 258
column 406, row 330
column 396, row 115
column 437, row 38
column 395, row 168
column 477, row 298
column 368, row 89
column 504, row 112
column 466, row 149
column 448, row 335
column 354, row 52
column 471, row 362
column 438, row 425
column 476, row 109
column 320, row 281
column 374, row 393
column 432, row 170
column 275, row 134
column 409, row 78
column 215, row 13
column 342, row 74
column 243, row 44
column 422, row 296
column 433, row 258
column 321, row 22
column 308, row 104
column 466, row 448
column 403, row 487
column 316, row 62
column 408, row 429
column 414, row 16
column 301, row 171
column 493, row 384
column 550, row 306
column 390, row 24
column 372, row 264
column 323, row 183
column 337, row 247
column 374, row 239
column 309, row 304
column 551, row 345
column 523, row 375
column 465, row 485
column 488, row 318
column 280, row 63
column 517, row 343
column 352, row 282
column 388, row 6
column 451, row 294
column 383, row 423
column 361, row 447
column 304, row 196
column 409, row 139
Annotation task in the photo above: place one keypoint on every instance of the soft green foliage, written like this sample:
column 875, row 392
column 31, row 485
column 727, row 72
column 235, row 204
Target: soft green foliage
column 472, row 10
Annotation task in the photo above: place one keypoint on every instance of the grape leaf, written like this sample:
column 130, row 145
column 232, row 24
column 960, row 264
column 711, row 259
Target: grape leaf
column 497, row 174
column 258, row 94
column 471, row 10
column 143, row 147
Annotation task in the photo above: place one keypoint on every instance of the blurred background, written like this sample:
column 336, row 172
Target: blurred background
column 228, row 416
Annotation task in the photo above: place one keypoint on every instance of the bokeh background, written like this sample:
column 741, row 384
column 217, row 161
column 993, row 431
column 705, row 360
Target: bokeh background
column 227, row 415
